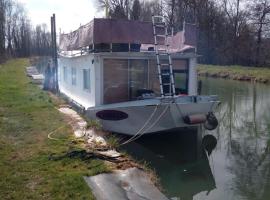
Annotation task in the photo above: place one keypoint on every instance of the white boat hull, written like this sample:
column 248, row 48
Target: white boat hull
column 152, row 115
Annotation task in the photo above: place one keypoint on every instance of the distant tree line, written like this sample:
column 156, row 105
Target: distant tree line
column 18, row 38
column 230, row 32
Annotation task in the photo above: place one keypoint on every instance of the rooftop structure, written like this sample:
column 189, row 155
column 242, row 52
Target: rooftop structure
column 124, row 35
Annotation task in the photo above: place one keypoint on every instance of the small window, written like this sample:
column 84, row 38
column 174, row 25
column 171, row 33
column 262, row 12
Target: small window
column 86, row 79
column 65, row 74
column 181, row 81
column 73, row 76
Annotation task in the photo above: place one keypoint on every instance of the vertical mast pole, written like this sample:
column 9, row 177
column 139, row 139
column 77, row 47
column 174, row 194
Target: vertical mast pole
column 54, row 51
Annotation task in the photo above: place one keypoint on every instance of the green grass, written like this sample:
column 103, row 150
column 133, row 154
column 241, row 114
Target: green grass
column 27, row 115
column 236, row 72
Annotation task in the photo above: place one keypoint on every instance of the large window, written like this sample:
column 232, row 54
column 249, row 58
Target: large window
column 180, row 71
column 65, row 74
column 131, row 79
column 73, row 76
column 181, row 81
column 115, row 86
column 86, row 79
column 138, row 77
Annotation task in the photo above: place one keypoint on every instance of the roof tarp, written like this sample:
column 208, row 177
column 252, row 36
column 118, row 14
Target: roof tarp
column 119, row 31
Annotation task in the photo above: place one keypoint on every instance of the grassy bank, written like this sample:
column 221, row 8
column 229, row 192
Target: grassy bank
column 27, row 115
column 236, row 73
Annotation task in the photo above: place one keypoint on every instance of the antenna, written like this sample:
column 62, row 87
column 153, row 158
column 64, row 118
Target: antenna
column 106, row 9
column 161, row 8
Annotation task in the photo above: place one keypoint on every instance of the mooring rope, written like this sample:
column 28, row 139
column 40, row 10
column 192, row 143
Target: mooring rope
column 145, row 124
column 139, row 133
column 178, row 108
column 52, row 138
column 61, row 127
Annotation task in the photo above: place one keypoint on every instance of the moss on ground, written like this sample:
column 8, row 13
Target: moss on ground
column 27, row 116
column 236, row 72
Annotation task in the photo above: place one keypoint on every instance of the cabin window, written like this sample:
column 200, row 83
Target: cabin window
column 181, row 76
column 115, row 86
column 73, row 76
column 181, row 82
column 138, row 77
column 86, row 79
column 65, row 74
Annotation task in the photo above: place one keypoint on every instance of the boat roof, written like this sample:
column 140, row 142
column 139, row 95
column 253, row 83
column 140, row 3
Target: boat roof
column 122, row 31
column 127, row 55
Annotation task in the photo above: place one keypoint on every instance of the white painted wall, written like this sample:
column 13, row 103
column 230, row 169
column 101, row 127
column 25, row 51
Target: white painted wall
column 193, row 81
column 94, row 62
column 98, row 62
column 77, row 92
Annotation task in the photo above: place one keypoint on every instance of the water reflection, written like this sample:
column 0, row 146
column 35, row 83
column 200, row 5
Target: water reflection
column 243, row 139
column 239, row 166
column 177, row 159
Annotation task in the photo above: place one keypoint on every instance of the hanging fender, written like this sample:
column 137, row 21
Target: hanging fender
column 195, row 119
column 211, row 122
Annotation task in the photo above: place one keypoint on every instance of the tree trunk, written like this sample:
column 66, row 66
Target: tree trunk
column 2, row 29
column 258, row 46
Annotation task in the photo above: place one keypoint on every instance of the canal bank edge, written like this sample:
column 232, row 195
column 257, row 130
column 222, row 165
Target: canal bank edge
column 241, row 73
column 128, row 177
column 96, row 143
column 28, row 164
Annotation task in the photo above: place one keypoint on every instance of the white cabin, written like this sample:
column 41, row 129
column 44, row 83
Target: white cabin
column 104, row 78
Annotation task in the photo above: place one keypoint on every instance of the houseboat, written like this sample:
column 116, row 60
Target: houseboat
column 134, row 77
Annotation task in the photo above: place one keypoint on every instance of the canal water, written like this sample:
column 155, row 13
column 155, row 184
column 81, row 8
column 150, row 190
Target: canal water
column 238, row 168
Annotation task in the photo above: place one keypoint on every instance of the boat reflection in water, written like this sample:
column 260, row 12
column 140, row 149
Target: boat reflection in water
column 177, row 159
column 240, row 163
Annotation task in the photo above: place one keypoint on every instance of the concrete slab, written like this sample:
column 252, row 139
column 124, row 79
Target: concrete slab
column 130, row 184
column 32, row 70
column 37, row 77
column 79, row 126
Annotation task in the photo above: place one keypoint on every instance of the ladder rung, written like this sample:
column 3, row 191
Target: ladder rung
column 166, row 74
column 162, row 50
column 167, row 94
column 162, row 45
column 165, row 45
column 160, row 25
column 165, row 64
column 163, row 54
column 158, row 35
column 158, row 16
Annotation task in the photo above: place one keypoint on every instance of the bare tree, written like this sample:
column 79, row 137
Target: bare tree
column 136, row 10
column 149, row 8
column 116, row 8
column 2, row 29
column 17, row 37
column 260, row 17
column 236, row 18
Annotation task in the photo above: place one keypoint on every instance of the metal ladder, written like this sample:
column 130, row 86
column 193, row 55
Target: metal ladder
column 165, row 68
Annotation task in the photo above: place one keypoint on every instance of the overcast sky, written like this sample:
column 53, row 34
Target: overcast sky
column 69, row 13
